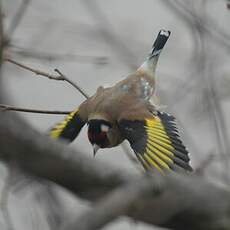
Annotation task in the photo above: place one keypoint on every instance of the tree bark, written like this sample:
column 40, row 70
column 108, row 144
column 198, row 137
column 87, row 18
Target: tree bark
column 185, row 201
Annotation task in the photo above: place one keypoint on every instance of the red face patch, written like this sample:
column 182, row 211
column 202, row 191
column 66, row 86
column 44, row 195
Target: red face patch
column 98, row 138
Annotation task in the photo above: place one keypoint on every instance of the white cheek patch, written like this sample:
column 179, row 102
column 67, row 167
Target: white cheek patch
column 104, row 128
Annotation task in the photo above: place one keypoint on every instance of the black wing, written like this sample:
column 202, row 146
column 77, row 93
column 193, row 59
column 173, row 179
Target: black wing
column 156, row 142
column 68, row 128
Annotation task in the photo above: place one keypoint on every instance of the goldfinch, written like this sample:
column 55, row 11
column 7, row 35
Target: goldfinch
column 124, row 112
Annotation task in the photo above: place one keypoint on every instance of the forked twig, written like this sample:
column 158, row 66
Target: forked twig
column 59, row 77
column 35, row 71
column 72, row 83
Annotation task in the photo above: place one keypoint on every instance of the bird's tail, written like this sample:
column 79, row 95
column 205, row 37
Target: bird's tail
column 151, row 61
column 159, row 43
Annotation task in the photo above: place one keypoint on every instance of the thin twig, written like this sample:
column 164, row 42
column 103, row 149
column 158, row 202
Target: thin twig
column 19, row 109
column 36, row 71
column 72, row 83
column 59, row 77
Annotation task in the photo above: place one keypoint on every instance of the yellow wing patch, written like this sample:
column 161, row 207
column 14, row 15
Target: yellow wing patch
column 158, row 149
column 163, row 146
column 156, row 142
column 68, row 128
column 58, row 128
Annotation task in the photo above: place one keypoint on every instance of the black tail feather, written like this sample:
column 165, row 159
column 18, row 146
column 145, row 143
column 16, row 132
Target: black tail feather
column 159, row 43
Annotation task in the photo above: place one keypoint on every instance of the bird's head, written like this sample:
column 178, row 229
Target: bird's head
column 97, row 133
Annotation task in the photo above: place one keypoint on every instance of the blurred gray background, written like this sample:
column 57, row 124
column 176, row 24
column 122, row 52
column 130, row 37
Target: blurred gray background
column 98, row 43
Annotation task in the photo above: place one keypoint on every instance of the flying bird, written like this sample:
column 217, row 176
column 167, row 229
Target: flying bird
column 124, row 112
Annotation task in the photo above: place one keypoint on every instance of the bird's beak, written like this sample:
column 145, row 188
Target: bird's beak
column 95, row 149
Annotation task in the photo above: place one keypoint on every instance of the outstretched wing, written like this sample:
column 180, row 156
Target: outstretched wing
column 156, row 142
column 68, row 128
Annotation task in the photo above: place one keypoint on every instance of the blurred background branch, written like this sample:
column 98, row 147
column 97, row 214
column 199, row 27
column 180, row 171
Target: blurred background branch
column 194, row 79
column 37, row 156
column 17, row 18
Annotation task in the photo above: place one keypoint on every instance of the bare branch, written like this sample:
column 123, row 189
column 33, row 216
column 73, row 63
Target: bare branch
column 117, row 203
column 19, row 109
column 61, row 169
column 72, row 83
column 59, row 77
column 36, row 71
column 147, row 196
column 178, row 205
